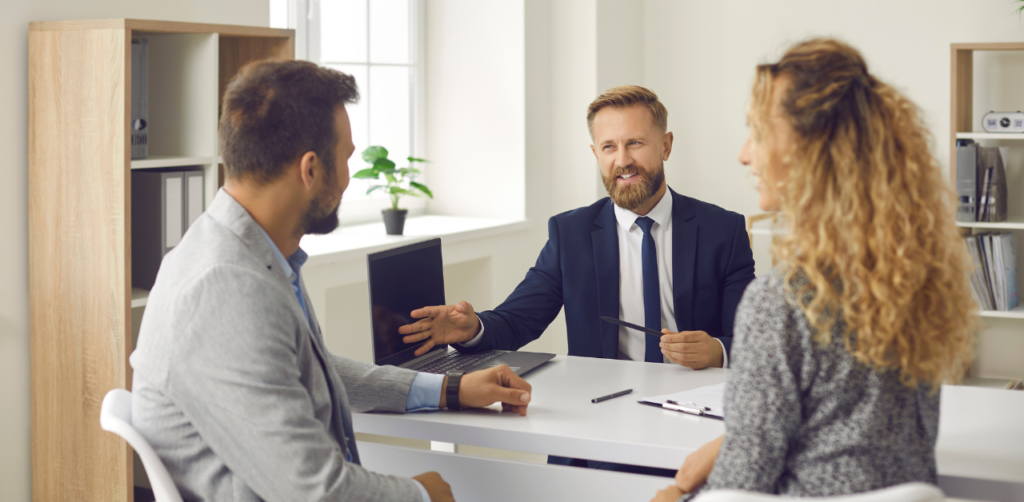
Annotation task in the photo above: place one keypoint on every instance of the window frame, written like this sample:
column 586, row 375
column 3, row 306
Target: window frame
column 304, row 16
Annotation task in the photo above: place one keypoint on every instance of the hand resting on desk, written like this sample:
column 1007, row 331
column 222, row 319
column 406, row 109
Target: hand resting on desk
column 441, row 324
column 492, row 385
column 694, row 472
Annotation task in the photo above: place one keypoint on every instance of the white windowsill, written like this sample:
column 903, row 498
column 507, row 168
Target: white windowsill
column 354, row 242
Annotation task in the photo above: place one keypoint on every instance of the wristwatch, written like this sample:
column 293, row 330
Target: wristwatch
column 452, row 390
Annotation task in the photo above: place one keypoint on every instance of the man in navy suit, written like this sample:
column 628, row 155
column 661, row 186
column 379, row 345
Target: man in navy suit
column 627, row 256
column 645, row 254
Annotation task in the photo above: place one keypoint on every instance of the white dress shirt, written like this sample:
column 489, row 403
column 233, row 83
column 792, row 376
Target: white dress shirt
column 633, row 343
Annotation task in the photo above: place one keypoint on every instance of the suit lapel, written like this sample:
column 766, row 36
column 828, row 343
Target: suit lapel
column 684, row 260
column 605, row 239
column 339, row 396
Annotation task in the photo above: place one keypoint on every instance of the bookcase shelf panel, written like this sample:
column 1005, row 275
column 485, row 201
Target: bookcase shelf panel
column 155, row 162
column 1017, row 313
column 988, row 225
column 994, row 136
column 139, row 297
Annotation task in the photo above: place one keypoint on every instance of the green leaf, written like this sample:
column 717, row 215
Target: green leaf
column 391, row 179
column 383, row 163
column 366, row 174
column 374, row 187
column 421, row 187
column 373, row 153
column 414, row 159
column 409, row 171
column 400, row 190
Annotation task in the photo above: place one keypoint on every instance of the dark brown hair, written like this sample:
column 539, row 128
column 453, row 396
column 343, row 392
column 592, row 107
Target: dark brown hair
column 629, row 95
column 275, row 111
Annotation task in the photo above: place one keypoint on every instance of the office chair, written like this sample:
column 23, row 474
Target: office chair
column 906, row 492
column 116, row 417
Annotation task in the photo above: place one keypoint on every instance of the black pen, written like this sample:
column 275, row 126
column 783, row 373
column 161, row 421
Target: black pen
column 610, row 396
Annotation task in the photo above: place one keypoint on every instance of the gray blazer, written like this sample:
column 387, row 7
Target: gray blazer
column 234, row 389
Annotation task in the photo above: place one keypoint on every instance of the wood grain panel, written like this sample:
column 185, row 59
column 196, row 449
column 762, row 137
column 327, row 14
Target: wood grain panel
column 78, row 260
column 160, row 27
column 998, row 46
column 961, row 107
column 236, row 52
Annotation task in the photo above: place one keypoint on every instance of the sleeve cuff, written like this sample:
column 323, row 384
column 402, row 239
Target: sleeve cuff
column 476, row 339
column 725, row 354
column 425, row 393
column 423, row 491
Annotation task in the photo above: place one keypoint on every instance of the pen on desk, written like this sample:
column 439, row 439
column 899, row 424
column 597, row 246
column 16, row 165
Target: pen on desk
column 610, row 396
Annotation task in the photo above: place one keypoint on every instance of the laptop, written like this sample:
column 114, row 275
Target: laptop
column 409, row 277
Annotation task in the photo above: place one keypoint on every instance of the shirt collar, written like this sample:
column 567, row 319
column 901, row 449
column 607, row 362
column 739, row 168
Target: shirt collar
column 290, row 265
column 661, row 214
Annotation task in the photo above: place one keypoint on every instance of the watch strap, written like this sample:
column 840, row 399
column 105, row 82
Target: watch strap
column 452, row 390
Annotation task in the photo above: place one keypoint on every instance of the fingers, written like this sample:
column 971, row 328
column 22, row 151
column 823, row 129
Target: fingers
column 433, row 311
column 684, row 337
column 416, row 327
column 429, row 344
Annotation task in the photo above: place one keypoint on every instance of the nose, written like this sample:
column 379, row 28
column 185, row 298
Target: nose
column 623, row 158
column 744, row 157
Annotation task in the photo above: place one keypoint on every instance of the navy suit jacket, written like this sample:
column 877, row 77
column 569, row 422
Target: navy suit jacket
column 579, row 268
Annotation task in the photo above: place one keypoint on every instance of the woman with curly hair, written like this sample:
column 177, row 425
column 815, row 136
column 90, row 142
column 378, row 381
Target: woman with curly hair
column 840, row 351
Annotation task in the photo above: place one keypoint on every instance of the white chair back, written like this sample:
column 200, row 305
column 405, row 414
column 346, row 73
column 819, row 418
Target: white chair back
column 116, row 417
column 906, row 492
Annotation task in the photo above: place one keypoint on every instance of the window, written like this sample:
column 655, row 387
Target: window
column 377, row 42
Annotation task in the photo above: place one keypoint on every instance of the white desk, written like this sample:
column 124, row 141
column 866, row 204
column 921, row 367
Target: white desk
column 980, row 445
column 493, row 480
column 561, row 420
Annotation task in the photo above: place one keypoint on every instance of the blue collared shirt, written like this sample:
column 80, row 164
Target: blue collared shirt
column 425, row 392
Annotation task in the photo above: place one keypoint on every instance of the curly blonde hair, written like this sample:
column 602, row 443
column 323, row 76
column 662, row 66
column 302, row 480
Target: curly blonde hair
column 870, row 236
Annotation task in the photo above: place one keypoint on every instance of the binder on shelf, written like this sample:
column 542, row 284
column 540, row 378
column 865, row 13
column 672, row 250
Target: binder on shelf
column 993, row 201
column 165, row 202
column 1008, row 266
column 140, row 99
column 967, row 182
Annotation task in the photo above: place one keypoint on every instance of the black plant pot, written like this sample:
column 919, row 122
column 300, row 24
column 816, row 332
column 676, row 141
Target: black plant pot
column 394, row 221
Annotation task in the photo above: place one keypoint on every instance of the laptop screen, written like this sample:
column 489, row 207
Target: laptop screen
column 401, row 280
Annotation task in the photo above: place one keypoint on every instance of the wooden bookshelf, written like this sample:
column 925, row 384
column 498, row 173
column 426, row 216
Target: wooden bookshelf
column 979, row 72
column 80, row 295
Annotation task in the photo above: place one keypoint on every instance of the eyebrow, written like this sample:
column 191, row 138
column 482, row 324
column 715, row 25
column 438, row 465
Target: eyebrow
column 637, row 138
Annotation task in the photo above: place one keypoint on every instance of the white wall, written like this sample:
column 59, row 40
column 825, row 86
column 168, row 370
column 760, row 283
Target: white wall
column 15, row 475
column 474, row 107
column 700, row 57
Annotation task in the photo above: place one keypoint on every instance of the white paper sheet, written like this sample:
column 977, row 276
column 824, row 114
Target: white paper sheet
column 711, row 396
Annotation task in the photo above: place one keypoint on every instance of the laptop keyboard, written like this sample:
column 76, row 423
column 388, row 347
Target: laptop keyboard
column 454, row 361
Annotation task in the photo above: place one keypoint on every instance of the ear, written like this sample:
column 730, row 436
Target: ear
column 309, row 170
column 667, row 146
column 594, row 150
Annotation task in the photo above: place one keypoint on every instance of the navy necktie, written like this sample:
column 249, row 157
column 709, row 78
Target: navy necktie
column 652, row 290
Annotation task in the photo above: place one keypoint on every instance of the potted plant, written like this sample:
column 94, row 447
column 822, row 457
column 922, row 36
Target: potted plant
column 398, row 181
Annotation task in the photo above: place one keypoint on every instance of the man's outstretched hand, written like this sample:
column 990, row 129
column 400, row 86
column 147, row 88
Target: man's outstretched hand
column 440, row 325
column 492, row 385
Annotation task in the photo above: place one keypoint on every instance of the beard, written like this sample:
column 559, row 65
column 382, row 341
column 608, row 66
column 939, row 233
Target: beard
column 320, row 217
column 638, row 192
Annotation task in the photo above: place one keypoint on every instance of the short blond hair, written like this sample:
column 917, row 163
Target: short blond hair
column 625, row 96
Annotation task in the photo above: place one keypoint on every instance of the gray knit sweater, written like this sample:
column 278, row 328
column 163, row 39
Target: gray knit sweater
column 806, row 420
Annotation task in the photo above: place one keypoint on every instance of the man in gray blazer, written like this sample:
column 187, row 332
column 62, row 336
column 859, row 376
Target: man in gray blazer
column 233, row 385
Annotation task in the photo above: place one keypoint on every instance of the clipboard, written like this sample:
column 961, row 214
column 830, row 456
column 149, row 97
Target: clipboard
column 703, row 401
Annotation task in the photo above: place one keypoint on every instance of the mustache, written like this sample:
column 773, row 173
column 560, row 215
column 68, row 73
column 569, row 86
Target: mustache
column 628, row 170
